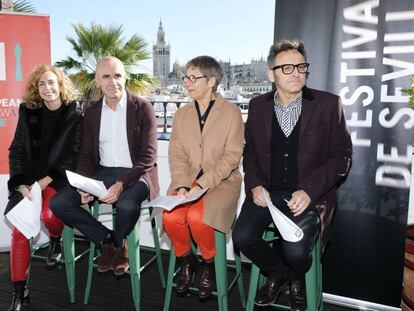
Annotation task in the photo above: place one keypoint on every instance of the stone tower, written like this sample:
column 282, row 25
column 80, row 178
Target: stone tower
column 161, row 56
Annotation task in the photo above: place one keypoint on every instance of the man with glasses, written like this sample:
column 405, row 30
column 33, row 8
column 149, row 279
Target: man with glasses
column 297, row 150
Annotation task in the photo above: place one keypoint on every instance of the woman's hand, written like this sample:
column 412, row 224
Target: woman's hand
column 192, row 190
column 25, row 191
column 44, row 182
column 182, row 192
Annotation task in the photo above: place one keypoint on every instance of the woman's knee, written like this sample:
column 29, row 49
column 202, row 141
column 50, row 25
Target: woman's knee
column 17, row 236
column 195, row 218
column 171, row 219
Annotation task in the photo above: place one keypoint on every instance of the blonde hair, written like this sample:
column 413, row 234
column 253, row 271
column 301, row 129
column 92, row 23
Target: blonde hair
column 31, row 97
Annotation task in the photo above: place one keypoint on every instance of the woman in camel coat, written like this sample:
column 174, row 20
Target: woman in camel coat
column 205, row 149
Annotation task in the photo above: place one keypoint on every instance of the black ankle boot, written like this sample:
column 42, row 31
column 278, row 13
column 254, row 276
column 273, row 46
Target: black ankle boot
column 20, row 296
column 55, row 252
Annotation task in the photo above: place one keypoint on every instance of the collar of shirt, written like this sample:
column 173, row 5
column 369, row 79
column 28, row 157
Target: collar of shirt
column 292, row 104
column 122, row 103
column 288, row 116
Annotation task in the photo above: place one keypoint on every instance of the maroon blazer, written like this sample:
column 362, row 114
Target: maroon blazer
column 142, row 141
column 324, row 149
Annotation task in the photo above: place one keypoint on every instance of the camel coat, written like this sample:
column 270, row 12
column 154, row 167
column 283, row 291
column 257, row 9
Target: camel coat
column 217, row 151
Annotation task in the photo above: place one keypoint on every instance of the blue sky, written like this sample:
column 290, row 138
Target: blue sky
column 239, row 30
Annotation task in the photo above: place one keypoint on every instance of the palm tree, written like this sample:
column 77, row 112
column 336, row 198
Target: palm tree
column 94, row 42
column 18, row 6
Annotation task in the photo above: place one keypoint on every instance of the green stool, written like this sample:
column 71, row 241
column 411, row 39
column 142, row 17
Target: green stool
column 220, row 263
column 313, row 279
column 64, row 260
column 69, row 258
column 134, row 258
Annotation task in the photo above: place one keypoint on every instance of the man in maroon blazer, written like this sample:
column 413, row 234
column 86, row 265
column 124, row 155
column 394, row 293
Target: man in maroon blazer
column 297, row 150
column 119, row 147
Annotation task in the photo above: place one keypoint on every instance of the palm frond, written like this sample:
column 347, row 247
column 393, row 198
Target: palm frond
column 23, row 6
column 91, row 43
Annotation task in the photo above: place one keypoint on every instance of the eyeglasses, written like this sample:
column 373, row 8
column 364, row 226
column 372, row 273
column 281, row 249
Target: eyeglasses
column 192, row 78
column 287, row 69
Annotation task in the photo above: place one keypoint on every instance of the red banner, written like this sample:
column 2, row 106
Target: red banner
column 24, row 43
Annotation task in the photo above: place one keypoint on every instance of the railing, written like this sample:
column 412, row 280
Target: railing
column 165, row 113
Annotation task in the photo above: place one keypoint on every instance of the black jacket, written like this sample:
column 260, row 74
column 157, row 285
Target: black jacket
column 65, row 145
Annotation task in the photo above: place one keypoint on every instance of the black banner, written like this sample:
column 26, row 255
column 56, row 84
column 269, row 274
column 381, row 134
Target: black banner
column 364, row 52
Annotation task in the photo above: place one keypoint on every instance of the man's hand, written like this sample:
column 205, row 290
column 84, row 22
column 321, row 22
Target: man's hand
column 299, row 202
column 85, row 197
column 259, row 193
column 113, row 193
column 44, row 182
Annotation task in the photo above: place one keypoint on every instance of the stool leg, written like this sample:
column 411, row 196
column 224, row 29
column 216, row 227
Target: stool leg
column 221, row 270
column 319, row 274
column 90, row 273
column 95, row 212
column 134, row 265
column 69, row 253
column 314, row 281
column 170, row 276
column 157, row 249
column 254, row 279
column 239, row 276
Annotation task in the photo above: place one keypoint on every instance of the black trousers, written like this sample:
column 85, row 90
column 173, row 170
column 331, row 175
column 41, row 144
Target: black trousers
column 283, row 259
column 66, row 206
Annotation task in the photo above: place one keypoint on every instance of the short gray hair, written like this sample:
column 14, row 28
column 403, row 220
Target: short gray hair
column 283, row 46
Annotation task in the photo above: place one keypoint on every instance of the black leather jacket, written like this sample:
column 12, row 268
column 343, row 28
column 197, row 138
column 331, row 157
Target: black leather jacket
column 65, row 145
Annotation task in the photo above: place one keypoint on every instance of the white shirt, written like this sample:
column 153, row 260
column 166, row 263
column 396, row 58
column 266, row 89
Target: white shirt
column 113, row 141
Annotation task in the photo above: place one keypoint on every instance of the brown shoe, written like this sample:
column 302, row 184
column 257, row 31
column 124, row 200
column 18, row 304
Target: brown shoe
column 120, row 263
column 186, row 273
column 207, row 280
column 297, row 296
column 105, row 261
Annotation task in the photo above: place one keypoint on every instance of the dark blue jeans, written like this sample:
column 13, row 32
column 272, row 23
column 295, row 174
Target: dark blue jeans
column 66, row 206
column 284, row 259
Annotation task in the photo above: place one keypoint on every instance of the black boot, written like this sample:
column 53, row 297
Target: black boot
column 20, row 296
column 186, row 274
column 207, row 280
column 55, row 252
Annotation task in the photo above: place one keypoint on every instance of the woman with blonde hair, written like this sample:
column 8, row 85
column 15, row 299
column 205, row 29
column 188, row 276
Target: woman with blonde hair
column 45, row 144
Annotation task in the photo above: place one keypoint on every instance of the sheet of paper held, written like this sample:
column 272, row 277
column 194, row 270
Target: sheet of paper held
column 89, row 185
column 25, row 216
column 288, row 229
column 169, row 202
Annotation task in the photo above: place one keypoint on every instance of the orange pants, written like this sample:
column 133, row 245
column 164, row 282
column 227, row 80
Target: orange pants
column 185, row 221
column 20, row 246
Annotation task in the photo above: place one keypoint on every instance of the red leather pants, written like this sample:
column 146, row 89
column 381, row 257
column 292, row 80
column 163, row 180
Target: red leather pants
column 20, row 248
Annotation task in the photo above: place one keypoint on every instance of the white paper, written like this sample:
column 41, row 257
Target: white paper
column 89, row 185
column 288, row 229
column 25, row 216
column 168, row 202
